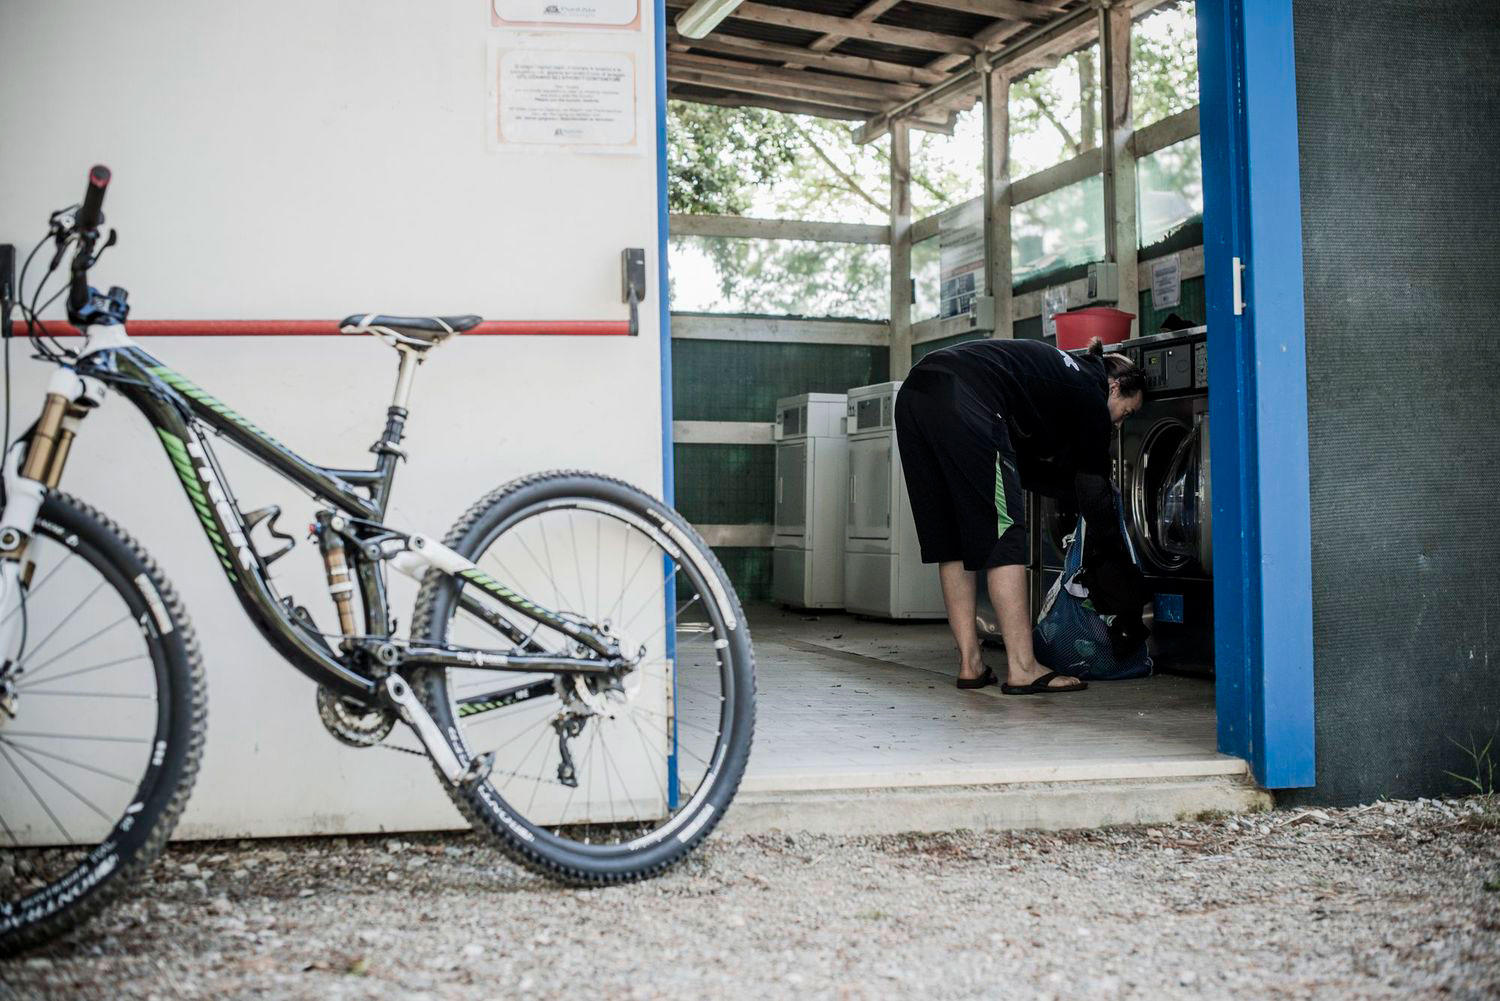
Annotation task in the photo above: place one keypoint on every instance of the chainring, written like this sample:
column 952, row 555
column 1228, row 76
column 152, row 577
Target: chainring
column 352, row 723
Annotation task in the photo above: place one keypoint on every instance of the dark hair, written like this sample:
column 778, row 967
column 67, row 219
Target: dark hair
column 1126, row 373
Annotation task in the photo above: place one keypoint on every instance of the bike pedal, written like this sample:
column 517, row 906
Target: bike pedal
column 479, row 769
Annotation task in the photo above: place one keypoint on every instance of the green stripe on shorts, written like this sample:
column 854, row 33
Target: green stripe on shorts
column 1002, row 512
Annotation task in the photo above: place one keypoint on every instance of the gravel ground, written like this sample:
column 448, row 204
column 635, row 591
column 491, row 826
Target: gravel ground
column 1388, row 900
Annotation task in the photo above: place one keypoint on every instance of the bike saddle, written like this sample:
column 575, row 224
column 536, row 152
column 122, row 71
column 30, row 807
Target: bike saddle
column 417, row 332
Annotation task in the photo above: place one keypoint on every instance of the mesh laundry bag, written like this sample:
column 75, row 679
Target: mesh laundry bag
column 1072, row 638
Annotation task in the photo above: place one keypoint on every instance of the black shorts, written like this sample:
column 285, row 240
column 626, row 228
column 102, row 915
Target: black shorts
column 961, row 475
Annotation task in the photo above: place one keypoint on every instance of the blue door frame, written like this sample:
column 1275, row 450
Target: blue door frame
column 1261, row 536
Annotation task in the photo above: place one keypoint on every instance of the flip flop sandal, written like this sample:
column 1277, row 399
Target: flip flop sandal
column 1043, row 686
column 987, row 678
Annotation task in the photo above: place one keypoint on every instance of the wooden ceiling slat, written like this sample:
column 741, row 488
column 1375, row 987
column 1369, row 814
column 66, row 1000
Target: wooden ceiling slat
column 707, row 89
column 800, row 78
column 859, row 66
column 768, row 88
column 1010, row 10
column 868, row 13
column 912, row 38
column 736, row 100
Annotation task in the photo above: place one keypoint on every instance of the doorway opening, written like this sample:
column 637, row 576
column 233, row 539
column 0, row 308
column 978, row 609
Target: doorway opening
column 854, row 186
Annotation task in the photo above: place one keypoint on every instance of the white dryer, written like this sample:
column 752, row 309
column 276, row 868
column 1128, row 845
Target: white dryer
column 884, row 575
column 812, row 478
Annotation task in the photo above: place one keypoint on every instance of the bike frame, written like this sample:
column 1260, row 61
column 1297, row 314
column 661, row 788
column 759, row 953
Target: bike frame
column 181, row 413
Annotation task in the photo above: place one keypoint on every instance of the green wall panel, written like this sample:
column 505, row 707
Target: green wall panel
column 742, row 380
column 749, row 571
column 726, row 484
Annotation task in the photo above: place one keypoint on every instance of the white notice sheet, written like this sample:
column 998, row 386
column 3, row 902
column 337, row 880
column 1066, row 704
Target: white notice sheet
column 580, row 101
column 565, row 13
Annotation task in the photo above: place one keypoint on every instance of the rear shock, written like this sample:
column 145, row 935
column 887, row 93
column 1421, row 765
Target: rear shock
column 340, row 582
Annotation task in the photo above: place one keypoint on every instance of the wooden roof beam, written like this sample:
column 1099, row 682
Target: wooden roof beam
column 1031, row 47
column 1009, row 10
column 793, row 101
column 797, row 78
column 738, row 83
column 911, row 38
column 869, row 12
column 749, row 48
column 733, row 100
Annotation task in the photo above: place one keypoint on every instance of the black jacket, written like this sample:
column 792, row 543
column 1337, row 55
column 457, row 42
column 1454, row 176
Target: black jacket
column 1056, row 408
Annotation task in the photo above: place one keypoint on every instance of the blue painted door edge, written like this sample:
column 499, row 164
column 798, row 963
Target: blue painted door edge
column 1258, row 371
column 668, row 479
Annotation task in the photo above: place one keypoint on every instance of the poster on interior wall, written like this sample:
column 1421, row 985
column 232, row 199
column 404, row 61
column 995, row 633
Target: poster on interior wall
column 960, row 257
column 1166, row 282
column 619, row 14
column 573, row 100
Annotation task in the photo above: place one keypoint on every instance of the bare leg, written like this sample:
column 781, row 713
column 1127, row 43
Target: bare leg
column 958, row 599
column 1008, row 592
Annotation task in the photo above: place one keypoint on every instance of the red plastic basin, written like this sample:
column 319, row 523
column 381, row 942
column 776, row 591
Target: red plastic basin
column 1077, row 327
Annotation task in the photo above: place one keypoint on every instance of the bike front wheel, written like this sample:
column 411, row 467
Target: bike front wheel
column 102, row 714
column 594, row 782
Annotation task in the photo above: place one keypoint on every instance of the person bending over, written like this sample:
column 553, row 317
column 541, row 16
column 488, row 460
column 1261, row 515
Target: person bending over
column 978, row 424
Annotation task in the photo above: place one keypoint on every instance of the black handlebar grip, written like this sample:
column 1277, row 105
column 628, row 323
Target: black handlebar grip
column 91, row 214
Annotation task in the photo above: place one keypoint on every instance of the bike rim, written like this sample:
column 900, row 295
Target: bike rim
column 83, row 753
column 644, row 772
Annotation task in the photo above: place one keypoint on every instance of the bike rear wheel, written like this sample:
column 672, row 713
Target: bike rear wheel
column 101, row 740
column 595, row 782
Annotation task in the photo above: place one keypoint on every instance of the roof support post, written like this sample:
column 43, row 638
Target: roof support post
column 1118, row 162
column 900, row 249
column 997, row 240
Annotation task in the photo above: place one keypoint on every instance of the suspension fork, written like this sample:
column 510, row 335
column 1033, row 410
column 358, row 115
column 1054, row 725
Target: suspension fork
column 70, row 397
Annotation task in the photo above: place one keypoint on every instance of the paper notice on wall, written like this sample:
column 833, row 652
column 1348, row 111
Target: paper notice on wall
column 1054, row 301
column 566, row 14
column 960, row 258
column 559, row 99
column 1166, row 282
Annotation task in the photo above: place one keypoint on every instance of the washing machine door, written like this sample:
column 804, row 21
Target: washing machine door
column 1149, row 451
column 1183, row 523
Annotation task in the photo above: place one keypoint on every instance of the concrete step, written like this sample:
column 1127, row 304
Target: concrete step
column 1010, row 806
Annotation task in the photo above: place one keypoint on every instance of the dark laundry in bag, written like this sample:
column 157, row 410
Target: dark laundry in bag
column 1090, row 625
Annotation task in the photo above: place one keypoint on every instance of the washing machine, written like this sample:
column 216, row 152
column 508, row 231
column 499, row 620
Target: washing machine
column 812, row 479
column 884, row 576
column 1164, row 473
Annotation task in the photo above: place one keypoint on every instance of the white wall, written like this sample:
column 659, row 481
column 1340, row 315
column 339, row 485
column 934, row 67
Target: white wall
column 303, row 161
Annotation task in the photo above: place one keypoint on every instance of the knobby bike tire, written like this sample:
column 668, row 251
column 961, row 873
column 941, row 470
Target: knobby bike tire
column 481, row 804
column 138, row 837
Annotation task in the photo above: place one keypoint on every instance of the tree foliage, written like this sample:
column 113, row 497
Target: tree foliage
column 717, row 157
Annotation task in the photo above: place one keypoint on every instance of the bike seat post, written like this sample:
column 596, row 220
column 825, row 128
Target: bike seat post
column 409, row 361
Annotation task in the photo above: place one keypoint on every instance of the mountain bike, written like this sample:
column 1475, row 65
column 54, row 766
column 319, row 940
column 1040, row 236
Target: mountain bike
column 577, row 668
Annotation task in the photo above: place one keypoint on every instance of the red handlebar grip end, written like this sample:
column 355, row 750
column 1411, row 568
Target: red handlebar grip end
column 99, row 175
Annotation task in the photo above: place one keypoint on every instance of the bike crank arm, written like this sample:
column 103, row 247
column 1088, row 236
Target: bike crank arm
column 415, row 715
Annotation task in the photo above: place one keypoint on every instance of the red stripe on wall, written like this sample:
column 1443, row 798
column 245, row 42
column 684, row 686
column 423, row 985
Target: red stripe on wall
column 323, row 328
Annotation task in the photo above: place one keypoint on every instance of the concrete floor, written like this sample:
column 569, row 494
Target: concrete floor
column 854, row 708
column 847, row 702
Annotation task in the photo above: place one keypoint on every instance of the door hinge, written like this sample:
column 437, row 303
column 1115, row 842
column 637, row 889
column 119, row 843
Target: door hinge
column 1239, row 287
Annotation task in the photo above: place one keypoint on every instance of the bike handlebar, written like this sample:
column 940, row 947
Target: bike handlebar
column 92, row 213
